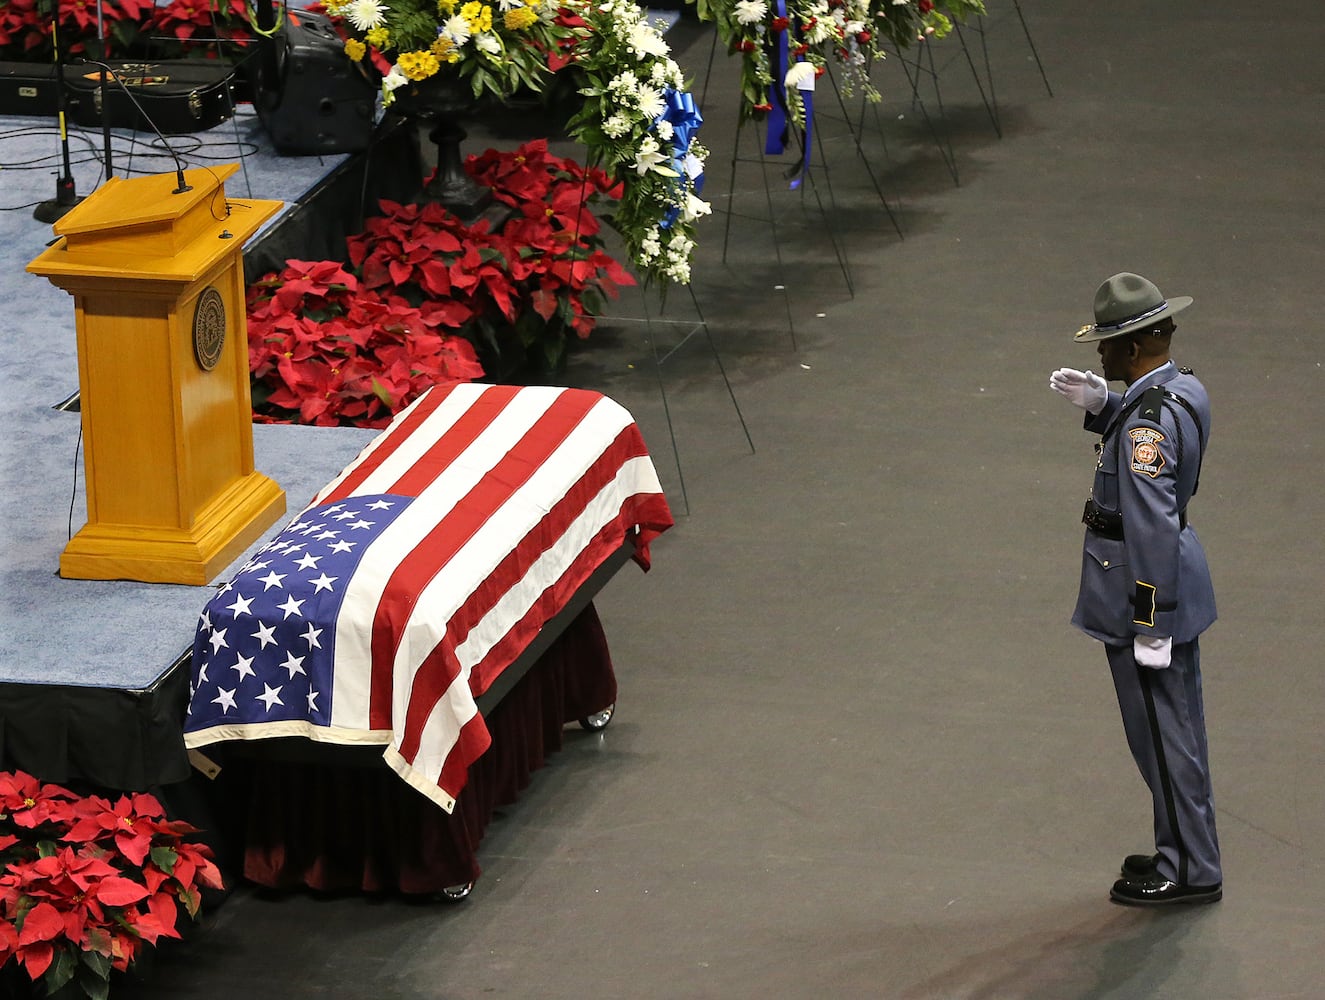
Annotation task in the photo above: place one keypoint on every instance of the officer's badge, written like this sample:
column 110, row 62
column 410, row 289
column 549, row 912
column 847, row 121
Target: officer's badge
column 1147, row 459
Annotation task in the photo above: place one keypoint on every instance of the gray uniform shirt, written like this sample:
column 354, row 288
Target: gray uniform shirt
column 1155, row 580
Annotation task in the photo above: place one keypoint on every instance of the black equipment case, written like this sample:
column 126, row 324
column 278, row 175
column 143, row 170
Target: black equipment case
column 179, row 95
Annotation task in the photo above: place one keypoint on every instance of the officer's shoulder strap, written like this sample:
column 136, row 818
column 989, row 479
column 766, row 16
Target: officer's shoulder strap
column 1152, row 400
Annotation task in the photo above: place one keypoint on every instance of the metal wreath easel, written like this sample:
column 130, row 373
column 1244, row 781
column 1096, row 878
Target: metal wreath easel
column 990, row 99
column 924, row 67
column 660, row 358
column 770, row 219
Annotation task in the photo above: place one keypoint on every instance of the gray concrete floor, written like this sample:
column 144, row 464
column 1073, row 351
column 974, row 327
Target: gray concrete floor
column 859, row 750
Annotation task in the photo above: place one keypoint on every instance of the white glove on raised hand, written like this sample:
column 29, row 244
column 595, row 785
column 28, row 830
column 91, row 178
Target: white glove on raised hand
column 1084, row 389
column 1153, row 651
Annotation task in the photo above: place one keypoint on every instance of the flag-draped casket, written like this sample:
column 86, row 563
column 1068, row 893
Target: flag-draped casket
column 413, row 579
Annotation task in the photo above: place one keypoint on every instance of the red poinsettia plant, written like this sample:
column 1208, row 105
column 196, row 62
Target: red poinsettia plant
column 543, row 275
column 428, row 299
column 88, row 882
column 325, row 350
column 131, row 27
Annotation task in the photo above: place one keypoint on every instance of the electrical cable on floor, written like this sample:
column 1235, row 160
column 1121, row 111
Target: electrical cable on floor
column 128, row 147
column 73, row 496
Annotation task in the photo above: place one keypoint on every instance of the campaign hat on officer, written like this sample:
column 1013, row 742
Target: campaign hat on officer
column 1128, row 302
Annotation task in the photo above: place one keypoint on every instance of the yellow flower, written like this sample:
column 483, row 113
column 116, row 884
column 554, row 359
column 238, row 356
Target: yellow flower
column 355, row 49
column 479, row 16
column 445, row 7
column 418, row 65
column 378, row 38
column 520, row 18
column 445, row 50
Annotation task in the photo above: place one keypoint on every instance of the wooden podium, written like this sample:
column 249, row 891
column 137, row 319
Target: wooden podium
column 158, row 285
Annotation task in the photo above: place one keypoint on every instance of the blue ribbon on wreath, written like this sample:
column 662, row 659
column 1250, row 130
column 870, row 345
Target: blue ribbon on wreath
column 778, row 126
column 779, row 119
column 683, row 114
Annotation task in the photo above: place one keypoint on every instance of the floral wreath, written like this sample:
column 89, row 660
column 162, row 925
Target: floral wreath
column 800, row 37
column 636, row 120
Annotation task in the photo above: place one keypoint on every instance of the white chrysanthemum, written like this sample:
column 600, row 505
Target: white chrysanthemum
column 651, row 103
column 486, row 41
column 664, row 129
column 645, row 42
column 616, row 126
column 800, row 76
column 750, row 11
column 822, row 31
column 624, row 87
column 457, row 29
column 365, row 15
column 395, row 78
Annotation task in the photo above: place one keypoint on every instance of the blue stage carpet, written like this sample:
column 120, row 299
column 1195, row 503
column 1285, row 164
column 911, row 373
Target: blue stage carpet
column 106, row 634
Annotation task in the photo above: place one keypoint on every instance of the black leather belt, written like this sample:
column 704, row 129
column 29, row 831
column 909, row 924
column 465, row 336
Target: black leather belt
column 1109, row 523
column 1105, row 523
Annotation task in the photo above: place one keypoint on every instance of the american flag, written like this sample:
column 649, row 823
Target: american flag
column 421, row 572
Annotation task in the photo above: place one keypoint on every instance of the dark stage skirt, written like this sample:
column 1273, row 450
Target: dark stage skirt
column 340, row 820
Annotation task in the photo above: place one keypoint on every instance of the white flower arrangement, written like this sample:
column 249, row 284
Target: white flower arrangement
column 639, row 125
column 635, row 120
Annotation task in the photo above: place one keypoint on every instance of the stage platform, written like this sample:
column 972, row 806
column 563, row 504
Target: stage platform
column 73, row 647
column 93, row 674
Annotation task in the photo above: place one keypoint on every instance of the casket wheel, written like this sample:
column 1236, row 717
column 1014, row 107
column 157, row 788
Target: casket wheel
column 598, row 720
column 455, row 893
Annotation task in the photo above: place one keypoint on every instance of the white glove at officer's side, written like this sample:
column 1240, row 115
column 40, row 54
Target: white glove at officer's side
column 1084, row 389
column 1153, row 651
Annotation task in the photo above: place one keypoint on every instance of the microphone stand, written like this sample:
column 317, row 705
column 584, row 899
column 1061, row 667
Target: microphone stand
column 65, row 191
column 182, row 184
column 105, row 105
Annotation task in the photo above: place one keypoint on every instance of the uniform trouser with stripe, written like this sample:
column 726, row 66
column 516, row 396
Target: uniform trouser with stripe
column 1164, row 718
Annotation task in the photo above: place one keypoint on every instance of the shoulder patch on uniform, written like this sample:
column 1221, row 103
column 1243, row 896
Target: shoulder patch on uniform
column 1147, row 459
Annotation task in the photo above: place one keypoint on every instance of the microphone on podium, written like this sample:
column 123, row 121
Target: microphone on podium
column 109, row 71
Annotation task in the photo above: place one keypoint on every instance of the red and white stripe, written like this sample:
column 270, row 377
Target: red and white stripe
column 521, row 494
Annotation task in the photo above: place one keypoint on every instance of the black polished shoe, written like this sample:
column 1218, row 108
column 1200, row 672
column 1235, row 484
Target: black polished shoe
column 1156, row 890
column 1140, row 865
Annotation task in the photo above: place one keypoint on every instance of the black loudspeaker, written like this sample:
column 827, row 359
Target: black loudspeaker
column 310, row 97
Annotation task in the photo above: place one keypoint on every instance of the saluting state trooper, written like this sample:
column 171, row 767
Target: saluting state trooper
column 1145, row 586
